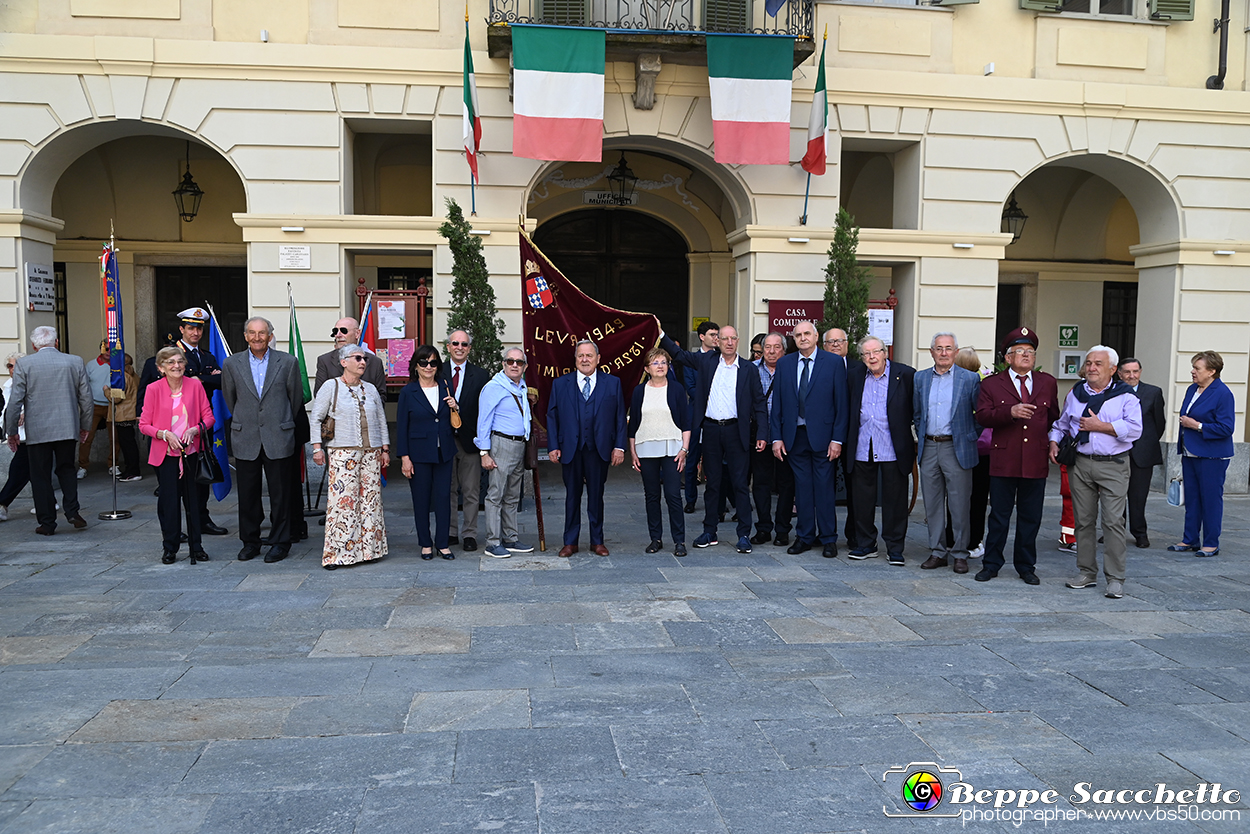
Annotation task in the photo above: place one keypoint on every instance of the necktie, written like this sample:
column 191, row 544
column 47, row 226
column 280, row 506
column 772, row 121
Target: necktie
column 804, row 381
column 1024, row 388
column 586, row 388
column 455, row 381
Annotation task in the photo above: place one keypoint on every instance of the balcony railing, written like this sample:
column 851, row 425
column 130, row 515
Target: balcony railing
column 795, row 18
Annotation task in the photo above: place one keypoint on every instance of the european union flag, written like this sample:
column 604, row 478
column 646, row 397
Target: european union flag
column 217, row 347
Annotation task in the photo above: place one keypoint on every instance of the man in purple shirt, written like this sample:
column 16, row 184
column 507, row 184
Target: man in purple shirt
column 1105, row 423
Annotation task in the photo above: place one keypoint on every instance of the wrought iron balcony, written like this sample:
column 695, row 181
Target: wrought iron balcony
column 673, row 28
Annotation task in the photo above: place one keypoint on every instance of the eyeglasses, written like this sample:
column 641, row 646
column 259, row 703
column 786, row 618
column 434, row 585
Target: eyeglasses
column 335, row 331
column 835, row 341
column 425, row 363
column 459, row 344
column 10, row 367
column 1024, row 352
column 358, row 357
column 874, row 351
column 512, row 361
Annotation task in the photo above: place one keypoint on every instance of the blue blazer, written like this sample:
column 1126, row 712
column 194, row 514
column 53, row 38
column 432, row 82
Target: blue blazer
column 678, row 405
column 1218, row 414
column 750, row 395
column 564, row 416
column 827, row 401
column 424, row 435
column 964, row 427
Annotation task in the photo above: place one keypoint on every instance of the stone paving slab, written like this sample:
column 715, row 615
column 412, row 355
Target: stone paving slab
column 186, row 720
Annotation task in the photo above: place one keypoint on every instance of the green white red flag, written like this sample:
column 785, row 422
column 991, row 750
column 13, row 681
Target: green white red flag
column 472, row 118
column 557, row 91
column 749, row 77
column 818, row 124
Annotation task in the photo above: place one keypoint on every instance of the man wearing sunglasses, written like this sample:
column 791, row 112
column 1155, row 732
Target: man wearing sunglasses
column 346, row 331
column 465, row 381
column 503, row 426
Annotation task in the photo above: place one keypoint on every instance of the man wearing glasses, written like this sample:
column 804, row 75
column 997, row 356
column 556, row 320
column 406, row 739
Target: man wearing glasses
column 1020, row 404
column 346, row 331
column 503, row 426
column 465, row 381
column 835, row 343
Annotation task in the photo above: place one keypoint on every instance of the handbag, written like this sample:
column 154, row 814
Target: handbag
column 1176, row 492
column 327, row 422
column 207, row 467
column 456, row 422
column 1067, row 450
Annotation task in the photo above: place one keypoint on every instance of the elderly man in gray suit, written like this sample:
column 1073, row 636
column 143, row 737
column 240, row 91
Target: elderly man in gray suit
column 945, row 399
column 52, row 388
column 263, row 392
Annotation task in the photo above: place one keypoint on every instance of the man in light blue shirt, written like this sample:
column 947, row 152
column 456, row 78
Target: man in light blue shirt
column 503, row 426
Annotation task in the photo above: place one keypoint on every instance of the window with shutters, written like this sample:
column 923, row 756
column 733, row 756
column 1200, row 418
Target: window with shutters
column 725, row 15
column 564, row 12
column 1162, row 10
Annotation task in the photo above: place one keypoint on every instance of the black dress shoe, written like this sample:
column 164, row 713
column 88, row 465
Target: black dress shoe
column 1030, row 579
column 761, row 538
column 655, row 547
column 679, row 550
column 249, row 551
column 277, row 553
column 168, row 557
column 453, row 540
column 689, row 508
column 428, row 556
column 182, row 537
column 470, row 544
column 198, row 556
column 45, row 530
column 449, row 556
column 208, row 528
column 1142, row 541
column 798, row 547
column 985, row 575
column 331, row 566
column 782, row 540
column 830, row 551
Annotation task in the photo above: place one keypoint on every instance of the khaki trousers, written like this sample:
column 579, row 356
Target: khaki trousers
column 466, row 475
column 1095, row 484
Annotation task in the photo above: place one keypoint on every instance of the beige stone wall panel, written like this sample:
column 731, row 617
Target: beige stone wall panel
column 698, row 128
column 917, row 39
column 615, row 122
column 63, row 93
column 195, row 98
column 422, row 100
column 282, row 197
column 156, row 98
column 1120, row 52
column 674, row 113
column 968, row 185
column 227, row 128
column 387, row 98
column 960, row 216
column 305, row 164
column 128, row 92
column 352, row 98
column 881, row 119
column 99, row 95
column 243, row 20
column 30, row 123
column 852, row 118
column 136, row 9
column 1020, row 155
column 1047, row 131
column 1211, row 193
column 914, row 121
column 13, row 155
column 177, row 19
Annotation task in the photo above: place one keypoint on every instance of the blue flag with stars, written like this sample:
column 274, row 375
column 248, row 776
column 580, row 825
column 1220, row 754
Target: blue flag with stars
column 217, row 347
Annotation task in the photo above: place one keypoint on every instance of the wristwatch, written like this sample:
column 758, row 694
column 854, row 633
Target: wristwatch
column 483, row 452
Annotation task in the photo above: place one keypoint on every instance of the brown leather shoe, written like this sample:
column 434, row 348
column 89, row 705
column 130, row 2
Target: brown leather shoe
column 567, row 551
column 598, row 550
column 78, row 521
column 935, row 562
column 961, row 566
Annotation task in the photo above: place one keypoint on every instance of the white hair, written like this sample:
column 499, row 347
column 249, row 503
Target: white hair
column 267, row 322
column 506, row 351
column 13, row 357
column 586, row 342
column 1111, row 354
column 936, row 336
column 42, row 337
column 348, row 350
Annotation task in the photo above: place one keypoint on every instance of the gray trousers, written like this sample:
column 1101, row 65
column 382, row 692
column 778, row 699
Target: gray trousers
column 504, row 492
column 1104, row 483
column 466, row 475
column 945, row 484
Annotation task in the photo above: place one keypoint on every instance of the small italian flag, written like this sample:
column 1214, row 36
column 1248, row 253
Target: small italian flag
column 472, row 119
column 557, row 93
column 749, row 76
column 818, row 124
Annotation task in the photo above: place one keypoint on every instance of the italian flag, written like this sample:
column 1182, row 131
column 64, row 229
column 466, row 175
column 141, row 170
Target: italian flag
column 472, row 121
column 818, row 124
column 557, row 93
column 749, row 76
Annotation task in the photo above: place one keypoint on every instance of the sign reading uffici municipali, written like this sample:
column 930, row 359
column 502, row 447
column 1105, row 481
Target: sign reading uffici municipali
column 1069, row 336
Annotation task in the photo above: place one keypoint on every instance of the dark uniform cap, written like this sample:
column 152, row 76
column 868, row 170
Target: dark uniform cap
column 1020, row 336
column 193, row 315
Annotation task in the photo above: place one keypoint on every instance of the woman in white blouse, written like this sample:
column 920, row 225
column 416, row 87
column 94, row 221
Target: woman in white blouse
column 427, row 447
column 659, row 437
column 359, row 453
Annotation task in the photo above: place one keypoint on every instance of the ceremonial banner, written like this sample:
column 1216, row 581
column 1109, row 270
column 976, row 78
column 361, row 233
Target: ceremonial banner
column 749, row 77
column 113, row 317
column 558, row 93
column 220, row 350
column 557, row 315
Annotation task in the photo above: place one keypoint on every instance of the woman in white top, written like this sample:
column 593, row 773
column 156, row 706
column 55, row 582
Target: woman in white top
column 427, row 447
column 359, row 453
column 659, row 438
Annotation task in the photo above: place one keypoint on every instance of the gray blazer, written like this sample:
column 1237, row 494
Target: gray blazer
column 266, row 422
column 53, row 388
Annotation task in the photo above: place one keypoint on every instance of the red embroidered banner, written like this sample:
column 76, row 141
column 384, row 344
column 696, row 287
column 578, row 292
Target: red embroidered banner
column 557, row 315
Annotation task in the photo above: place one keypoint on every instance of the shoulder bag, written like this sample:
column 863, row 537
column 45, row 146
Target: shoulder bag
column 531, row 450
column 456, row 422
column 327, row 422
column 207, row 467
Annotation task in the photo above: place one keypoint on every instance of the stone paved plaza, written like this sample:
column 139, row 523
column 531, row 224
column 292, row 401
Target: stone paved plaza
column 756, row 694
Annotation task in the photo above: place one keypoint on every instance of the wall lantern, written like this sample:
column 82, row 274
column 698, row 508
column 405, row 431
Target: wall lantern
column 1013, row 219
column 188, row 194
column 622, row 182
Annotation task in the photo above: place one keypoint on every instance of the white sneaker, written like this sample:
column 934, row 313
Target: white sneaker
column 977, row 552
column 115, row 470
column 4, row 513
column 32, row 509
column 131, row 478
column 82, row 473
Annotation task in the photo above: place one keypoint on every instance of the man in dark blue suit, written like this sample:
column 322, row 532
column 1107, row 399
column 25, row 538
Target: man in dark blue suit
column 585, row 433
column 808, row 424
column 728, row 396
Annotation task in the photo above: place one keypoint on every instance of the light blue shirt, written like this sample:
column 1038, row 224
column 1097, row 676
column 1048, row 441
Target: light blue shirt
column 497, row 410
column 941, row 398
column 874, row 428
column 260, row 367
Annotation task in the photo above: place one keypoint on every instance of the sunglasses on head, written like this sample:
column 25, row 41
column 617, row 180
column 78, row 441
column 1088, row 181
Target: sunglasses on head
column 513, row 361
column 334, row 331
column 425, row 363
column 459, row 344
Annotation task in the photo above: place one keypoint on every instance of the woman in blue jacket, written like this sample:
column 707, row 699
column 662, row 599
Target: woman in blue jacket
column 1208, row 416
column 659, row 440
column 427, row 447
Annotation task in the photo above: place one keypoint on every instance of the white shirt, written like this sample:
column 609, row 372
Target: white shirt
column 722, row 401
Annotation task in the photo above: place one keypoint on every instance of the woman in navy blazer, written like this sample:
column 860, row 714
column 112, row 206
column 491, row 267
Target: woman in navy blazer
column 427, row 447
column 660, row 409
column 1208, row 416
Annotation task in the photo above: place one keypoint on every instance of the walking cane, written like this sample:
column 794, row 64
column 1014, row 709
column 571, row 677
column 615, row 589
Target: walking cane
column 115, row 514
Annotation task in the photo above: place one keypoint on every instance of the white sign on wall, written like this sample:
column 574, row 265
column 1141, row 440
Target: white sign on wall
column 881, row 326
column 294, row 257
column 40, row 288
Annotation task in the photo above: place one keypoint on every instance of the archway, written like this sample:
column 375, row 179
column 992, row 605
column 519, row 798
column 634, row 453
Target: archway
column 623, row 259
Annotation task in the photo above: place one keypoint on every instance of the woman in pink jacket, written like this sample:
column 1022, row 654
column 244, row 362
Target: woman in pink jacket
column 175, row 412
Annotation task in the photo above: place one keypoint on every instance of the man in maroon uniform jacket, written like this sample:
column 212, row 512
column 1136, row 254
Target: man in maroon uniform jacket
column 1020, row 405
